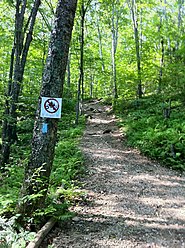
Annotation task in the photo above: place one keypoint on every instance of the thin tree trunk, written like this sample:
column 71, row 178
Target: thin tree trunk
column 133, row 8
column 17, row 66
column 162, row 52
column 180, row 6
column 161, row 66
column 38, row 170
column 83, row 13
column 82, row 48
column 91, row 84
column 100, row 41
column 69, row 75
column 80, row 91
column 114, row 31
column 78, row 100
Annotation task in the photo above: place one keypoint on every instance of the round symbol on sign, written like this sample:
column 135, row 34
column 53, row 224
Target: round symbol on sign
column 51, row 105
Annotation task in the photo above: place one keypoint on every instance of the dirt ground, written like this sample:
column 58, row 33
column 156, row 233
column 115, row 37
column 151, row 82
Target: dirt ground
column 130, row 200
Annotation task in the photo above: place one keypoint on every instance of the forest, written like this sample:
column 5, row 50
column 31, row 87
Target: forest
column 130, row 54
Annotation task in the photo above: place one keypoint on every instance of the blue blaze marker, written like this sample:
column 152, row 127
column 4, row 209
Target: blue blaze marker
column 44, row 128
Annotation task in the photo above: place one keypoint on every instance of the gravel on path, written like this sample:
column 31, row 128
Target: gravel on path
column 131, row 201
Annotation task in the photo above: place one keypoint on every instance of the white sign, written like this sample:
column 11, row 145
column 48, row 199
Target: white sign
column 51, row 107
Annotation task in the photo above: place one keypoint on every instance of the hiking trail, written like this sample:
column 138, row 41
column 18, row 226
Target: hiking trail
column 130, row 200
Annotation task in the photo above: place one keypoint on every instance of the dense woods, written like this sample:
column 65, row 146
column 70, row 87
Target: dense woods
column 129, row 53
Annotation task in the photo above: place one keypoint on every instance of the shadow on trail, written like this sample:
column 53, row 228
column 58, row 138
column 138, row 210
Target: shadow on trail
column 121, row 230
column 131, row 201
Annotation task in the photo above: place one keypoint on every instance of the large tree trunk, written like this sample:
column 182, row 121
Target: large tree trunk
column 17, row 66
column 38, row 170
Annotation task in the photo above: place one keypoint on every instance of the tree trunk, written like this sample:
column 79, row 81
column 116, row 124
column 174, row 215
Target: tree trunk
column 17, row 66
column 180, row 20
column 91, row 85
column 80, row 91
column 162, row 52
column 114, row 31
column 100, row 41
column 83, row 12
column 133, row 8
column 78, row 100
column 38, row 170
column 69, row 75
column 161, row 66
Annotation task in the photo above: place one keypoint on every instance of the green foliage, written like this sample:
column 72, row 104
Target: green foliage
column 58, row 202
column 68, row 164
column 147, row 129
column 11, row 182
column 143, row 120
column 12, row 235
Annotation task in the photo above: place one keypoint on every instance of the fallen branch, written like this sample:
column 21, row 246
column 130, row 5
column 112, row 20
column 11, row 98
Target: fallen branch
column 42, row 234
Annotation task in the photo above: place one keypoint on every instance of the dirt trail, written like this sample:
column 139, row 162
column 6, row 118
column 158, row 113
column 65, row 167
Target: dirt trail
column 132, row 202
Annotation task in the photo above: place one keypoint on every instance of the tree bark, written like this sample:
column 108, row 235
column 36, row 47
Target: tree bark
column 38, row 170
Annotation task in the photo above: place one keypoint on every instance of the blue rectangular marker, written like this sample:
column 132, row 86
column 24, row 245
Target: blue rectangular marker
column 44, row 128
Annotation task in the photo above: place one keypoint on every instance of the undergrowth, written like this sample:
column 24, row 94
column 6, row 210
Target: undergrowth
column 159, row 137
column 67, row 166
